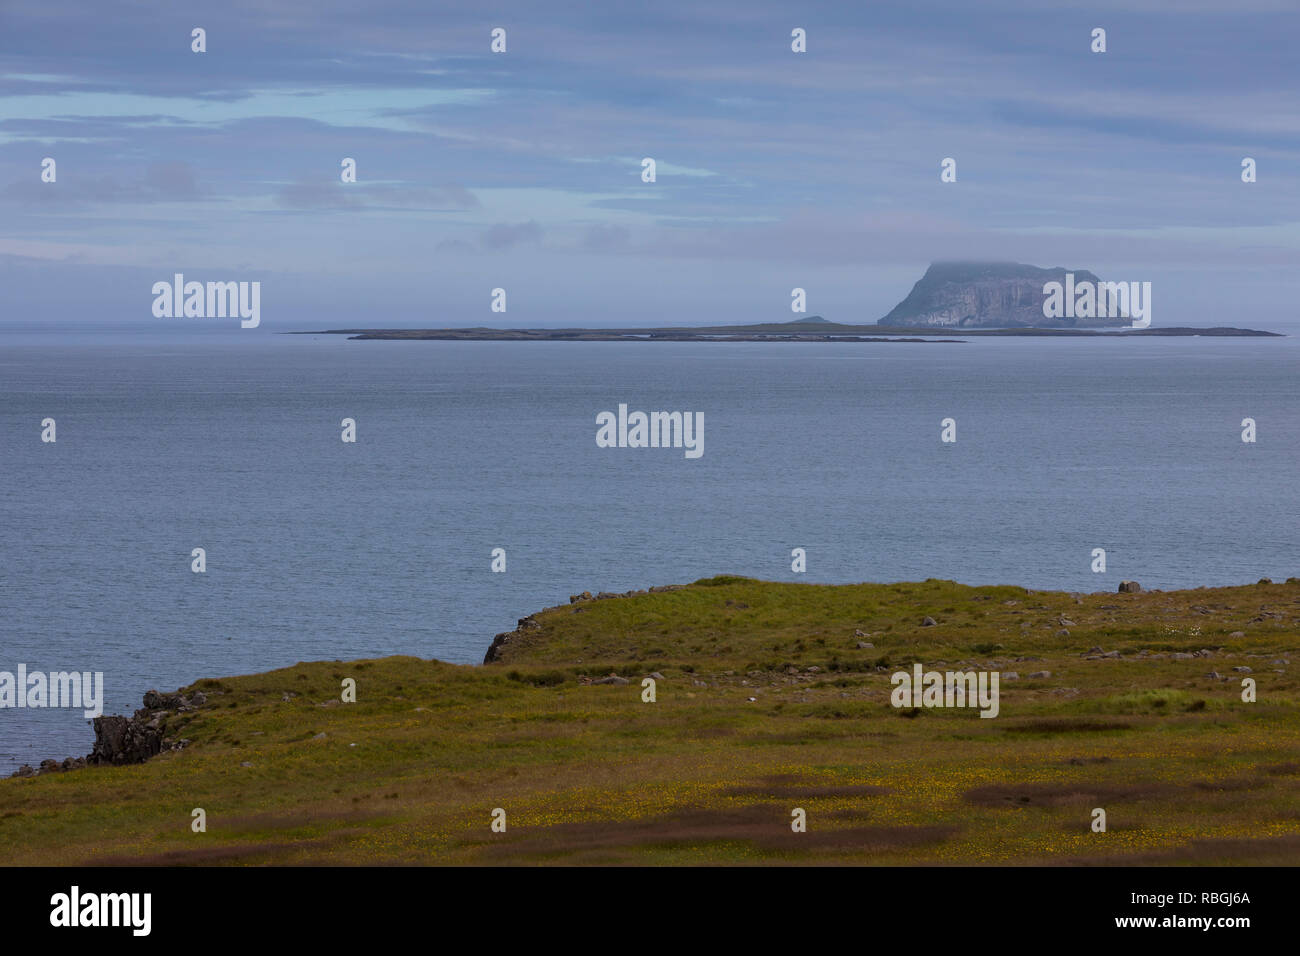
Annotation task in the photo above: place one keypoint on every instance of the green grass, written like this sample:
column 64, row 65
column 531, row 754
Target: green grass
column 412, row 771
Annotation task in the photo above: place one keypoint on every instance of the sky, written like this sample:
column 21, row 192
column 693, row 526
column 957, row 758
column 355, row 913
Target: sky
column 522, row 170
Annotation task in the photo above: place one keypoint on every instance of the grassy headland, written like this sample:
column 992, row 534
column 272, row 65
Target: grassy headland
column 769, row 700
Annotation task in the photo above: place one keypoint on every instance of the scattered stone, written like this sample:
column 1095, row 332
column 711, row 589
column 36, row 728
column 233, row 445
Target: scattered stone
column 1010, row 675
column 1237, row 634
column 156, row 701
column 865, row 645
column 1215, row 675
column 1063, row 633
column 1183, row 656
column 1280, row 662
column 857, row 632
column 1129, row 587
column 320, row 736
column 1243, row 669
column 1040, row 675
column 1265, row 580
column 611, row 679
column 928, row 622
column 655, row 675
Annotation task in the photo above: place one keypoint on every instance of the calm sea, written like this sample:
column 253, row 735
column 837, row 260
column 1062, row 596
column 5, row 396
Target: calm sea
column 317, row 549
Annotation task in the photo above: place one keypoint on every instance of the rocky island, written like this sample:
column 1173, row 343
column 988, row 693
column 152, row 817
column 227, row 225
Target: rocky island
column 972, row 298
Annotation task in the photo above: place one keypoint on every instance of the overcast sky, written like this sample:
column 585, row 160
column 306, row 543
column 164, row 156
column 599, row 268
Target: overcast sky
column 523, row 170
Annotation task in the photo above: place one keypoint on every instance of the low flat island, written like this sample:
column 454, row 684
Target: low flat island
column 812, row 329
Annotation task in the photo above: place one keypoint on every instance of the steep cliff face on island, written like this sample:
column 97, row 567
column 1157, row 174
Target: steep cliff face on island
column 986, row 295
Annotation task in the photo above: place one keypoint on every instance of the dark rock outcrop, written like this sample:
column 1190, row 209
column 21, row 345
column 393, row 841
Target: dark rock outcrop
column 499, row 642
column 124, row 740
column 986, row 295
column 121, row 740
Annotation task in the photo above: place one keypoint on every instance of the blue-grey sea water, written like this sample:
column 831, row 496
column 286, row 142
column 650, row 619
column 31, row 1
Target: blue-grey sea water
column 317, row 549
